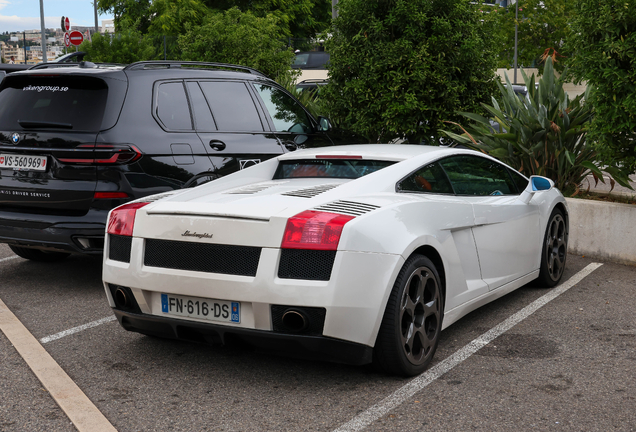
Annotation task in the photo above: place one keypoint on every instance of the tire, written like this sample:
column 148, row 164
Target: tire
column 38, row 255
column 412, row 321
column 555, row 250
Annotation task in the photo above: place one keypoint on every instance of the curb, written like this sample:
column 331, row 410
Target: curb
column 602, row 230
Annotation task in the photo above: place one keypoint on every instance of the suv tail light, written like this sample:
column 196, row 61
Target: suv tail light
column 122, row 219
column 314, row 230
column 103, row 154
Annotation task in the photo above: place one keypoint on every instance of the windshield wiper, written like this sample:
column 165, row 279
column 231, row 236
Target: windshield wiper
column 27, row 124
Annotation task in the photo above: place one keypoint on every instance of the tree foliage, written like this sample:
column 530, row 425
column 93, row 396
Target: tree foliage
column 604, row 46
column 543, row 134
column 542, row 25
column 124, row 47
column 399, row 68
column 238, row 38
column 298, row 18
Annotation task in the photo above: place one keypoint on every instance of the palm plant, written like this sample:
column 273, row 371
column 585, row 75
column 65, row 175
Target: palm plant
column 543, row 134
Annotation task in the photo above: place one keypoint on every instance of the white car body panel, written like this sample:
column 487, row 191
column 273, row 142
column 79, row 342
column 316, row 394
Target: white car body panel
column 488, row 246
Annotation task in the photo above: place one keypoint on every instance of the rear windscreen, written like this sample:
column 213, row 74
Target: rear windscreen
column 67, row 102
column 330, row 168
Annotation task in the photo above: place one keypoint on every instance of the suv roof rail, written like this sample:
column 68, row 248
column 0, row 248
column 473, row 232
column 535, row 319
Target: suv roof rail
column 180, row 64
column 82, row 64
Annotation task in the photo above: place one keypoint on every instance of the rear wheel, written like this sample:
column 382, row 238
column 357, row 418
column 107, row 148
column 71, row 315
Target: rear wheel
column 412, row 321
column 38, row 255
column 555, row 250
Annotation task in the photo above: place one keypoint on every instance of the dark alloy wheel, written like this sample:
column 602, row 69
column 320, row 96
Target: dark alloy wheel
column 38, row 255
column 412, row 322
column 555, row 247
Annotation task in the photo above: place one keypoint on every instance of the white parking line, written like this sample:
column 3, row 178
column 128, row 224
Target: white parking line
column 417, row 384
column 77, row 329
column 71, row 399
column 9, row 258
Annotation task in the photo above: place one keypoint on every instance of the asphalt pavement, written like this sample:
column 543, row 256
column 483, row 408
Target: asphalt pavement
column 568, row 364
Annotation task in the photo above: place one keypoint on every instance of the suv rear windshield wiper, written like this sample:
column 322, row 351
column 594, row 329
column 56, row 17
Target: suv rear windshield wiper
column 27, row 124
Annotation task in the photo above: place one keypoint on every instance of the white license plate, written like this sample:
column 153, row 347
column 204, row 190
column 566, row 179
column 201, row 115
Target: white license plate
column 194, row 307
column 23, row 163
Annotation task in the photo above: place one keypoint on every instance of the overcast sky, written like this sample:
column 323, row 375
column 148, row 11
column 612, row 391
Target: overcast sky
column 18, row 15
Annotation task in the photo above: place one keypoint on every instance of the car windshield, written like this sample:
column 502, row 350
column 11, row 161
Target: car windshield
column 329, row 168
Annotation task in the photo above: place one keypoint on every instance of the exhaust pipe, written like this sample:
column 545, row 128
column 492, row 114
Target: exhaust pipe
column 295, row 321
column 122, row 300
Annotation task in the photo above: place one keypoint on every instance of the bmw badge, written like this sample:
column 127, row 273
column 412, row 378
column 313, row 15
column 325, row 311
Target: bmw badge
column 15, row 138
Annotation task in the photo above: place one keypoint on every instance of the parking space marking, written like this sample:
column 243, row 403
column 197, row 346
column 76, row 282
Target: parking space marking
column 71, row 399
column 9, row 258
column 419, row 383
column 77, row 329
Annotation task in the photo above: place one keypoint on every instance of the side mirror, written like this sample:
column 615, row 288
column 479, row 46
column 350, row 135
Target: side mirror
column 536, row 184
column 324, row 124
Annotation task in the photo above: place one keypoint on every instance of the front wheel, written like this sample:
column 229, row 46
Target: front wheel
column 412, row 321
column 555, row 250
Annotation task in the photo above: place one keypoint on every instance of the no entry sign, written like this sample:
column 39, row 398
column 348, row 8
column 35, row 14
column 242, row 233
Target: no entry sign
column 76, row 37
column 67, row 24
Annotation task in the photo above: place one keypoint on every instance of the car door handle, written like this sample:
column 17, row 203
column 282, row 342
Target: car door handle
column 217, row 145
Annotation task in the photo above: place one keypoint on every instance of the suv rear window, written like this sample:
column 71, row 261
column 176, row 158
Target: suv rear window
column 68, row 102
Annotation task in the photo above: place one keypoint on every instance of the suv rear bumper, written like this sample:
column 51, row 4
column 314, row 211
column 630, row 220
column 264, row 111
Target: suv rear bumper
column 55, row 233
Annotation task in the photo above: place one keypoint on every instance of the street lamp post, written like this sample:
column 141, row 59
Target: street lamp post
column 516, row 29
column 43, row 29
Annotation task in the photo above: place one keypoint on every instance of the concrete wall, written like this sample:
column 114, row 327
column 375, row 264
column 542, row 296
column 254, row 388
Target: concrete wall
column 571, row 89
column 603, row 230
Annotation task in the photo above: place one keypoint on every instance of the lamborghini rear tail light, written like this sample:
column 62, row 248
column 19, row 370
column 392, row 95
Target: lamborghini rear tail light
column 314, row 230
column 122, row 219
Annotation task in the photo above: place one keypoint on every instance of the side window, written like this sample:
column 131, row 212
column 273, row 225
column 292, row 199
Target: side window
column 202, row 116
column 430, row 178
column 172, row 106
column 232, row 106
column 287, row 114
column 519, row 180
column 474, row 175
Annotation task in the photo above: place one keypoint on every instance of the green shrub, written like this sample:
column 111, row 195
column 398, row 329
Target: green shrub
column 399, row 68
column 545, row 134
column 604, row 45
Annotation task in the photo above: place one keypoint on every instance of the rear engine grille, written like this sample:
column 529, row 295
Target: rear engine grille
column 350, row 208
column 251, row 189
column 203, row 257
column 311, row 192
column 306, row 264
column 119, row 248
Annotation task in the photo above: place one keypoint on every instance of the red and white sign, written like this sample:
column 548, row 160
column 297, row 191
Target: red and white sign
column 67, row 24
column 67, row 40
column 76, row 37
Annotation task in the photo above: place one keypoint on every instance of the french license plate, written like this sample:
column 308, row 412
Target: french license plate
column 23, row 163
column 194, row 307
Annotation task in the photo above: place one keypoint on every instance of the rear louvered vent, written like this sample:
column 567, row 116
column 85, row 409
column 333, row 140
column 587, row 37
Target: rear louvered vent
column 249, row 190
column 311, row 192
column 347, row 207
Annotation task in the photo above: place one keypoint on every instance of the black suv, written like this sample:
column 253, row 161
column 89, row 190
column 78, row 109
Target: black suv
column 78, row 140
